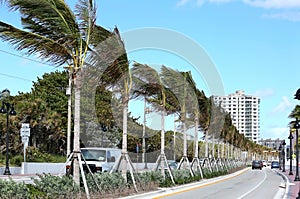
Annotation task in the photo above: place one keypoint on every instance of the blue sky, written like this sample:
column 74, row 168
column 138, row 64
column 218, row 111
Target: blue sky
column 253, row 44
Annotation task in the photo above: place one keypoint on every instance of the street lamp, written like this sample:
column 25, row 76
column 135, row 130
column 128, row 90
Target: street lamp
column 297, row 95
column 291, row 153
column 279, row 156
column 283, row 156
column 297, row 126
column 8, row 111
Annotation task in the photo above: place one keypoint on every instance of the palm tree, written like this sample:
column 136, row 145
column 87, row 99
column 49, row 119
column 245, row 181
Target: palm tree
column 148, row 83
column 196, row 115
column 182, row 85
column 53, row 32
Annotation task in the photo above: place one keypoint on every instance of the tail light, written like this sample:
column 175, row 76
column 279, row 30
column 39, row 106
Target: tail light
column 99, row 169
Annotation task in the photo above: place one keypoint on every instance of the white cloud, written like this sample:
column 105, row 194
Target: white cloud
column 264, row 93
column 182, row 2
column 219, row 1
column 290, row 16
column 284, row 105
column 201, row 2
column 276, row 132
column 268, row 4
column 277, row 4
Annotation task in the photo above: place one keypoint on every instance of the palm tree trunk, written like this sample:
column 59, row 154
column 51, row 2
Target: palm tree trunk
column 124, row 142
column 184, row 140
column 76, row 147
column 162, row 149
column 218, row 145
column 174, row 138
column 196, row 139
column 213, row 145
column 69, row 114
column 223, row 150
column 144, row 134
column 206, row 145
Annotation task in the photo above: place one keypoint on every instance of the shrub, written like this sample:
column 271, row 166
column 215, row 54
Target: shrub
column 10, row 189
column 108, row 183
column 150, row 180
column 17, row 160
column 35, row 155
column 55, row 186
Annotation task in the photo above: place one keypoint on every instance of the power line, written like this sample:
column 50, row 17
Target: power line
column 16, row 77
column 24, row 57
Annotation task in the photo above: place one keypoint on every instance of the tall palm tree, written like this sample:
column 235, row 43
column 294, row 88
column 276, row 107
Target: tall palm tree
column 195, row 114
column 181, row 84
column 295, row 112
column 53, row 32
column 148, row 83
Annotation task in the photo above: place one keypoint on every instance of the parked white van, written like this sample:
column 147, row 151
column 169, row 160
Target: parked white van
column 98, row 159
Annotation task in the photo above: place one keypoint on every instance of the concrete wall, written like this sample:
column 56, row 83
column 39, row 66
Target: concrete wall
column 43, row 167
column 13, row 170
column 58, row 168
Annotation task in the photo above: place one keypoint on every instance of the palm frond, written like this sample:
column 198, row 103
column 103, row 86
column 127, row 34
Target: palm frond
column 34, row 44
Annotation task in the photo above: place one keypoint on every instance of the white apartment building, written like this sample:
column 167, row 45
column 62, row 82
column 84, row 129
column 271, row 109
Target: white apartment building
column 244, row 111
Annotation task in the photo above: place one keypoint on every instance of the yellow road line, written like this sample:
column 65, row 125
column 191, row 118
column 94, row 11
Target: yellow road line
column 200, row 186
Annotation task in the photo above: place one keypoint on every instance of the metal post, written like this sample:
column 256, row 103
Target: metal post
column 279, row 156
column 7, row 171
column 297, row 156
column 8, row 111
column 297, row 151
column 283, row 156
column 297, row 96
column 291, row 154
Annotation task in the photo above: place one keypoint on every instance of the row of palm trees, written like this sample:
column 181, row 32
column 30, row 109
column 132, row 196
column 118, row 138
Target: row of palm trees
column 53, row 32
column 96, row 56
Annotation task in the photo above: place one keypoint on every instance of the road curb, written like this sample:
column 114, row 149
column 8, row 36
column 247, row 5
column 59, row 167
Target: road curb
column 284, row 185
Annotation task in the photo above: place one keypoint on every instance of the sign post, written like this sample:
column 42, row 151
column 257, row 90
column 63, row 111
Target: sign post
column 25, row 134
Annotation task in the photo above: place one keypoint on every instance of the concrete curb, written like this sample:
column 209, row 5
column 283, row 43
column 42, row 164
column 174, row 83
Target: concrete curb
column 284, row 185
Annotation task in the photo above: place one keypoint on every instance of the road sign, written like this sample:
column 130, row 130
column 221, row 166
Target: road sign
column 25, row 132
column 25, row 125
column 25, row 139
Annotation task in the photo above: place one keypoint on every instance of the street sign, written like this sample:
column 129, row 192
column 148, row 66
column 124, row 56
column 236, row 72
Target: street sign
column 25, row 125
column 25, row 132
column 25, row 139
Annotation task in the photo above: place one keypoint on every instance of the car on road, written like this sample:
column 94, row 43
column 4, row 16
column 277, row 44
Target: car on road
column 257, row 164
column 274, row 164
column 172, row 164
column 264, row 163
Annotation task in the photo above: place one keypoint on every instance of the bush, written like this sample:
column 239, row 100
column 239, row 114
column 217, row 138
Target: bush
column 35, row 155
column 108, row 183
column 10, row 189
column 55, row 186
column 17, row 160
column 150, row 180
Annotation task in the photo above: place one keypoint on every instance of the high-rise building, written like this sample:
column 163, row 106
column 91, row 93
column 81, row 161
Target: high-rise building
column 244, row 111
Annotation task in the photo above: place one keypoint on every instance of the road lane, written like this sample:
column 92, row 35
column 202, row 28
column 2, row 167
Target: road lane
column 250, row 184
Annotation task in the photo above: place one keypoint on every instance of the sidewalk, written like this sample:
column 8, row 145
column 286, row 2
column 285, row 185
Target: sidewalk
column 291, row 185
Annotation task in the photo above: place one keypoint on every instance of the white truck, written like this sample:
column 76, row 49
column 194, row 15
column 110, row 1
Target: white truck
column 98, row 159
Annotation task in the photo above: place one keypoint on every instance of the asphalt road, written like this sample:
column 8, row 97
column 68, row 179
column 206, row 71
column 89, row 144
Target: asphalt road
column 246, row 184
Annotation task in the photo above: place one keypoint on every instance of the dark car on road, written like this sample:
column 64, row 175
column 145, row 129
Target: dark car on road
column 274, row 164
column 257, row 164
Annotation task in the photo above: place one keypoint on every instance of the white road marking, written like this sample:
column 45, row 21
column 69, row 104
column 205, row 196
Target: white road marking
column 265, row 177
